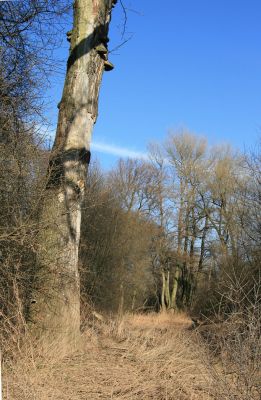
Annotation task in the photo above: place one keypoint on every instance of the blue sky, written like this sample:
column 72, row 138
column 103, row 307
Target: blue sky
column 189, row 63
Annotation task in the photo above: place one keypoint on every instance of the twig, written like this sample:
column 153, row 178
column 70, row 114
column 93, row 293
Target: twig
column 125, row 19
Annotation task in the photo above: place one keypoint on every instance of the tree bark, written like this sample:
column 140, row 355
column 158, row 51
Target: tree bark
column 133, row 300
column 167, row 291
column 121, row 302
column 56, row 306
column 185, row 272
column 163, row 291
column 191, row 270
column 179, row 249
column 175, row 288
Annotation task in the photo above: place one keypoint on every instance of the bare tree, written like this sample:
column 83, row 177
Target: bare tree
column 28, row 34
column 186, row 154
column 57, row 302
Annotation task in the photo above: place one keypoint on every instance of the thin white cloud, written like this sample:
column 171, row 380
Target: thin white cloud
column 118, row 151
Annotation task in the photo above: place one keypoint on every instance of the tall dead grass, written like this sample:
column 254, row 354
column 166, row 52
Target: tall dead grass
column 153, row 356
column 234, row 342
column 136, row 357
column 169, row 362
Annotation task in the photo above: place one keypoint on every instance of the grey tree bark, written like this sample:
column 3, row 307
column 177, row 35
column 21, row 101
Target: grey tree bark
column 179, row 250
column 56, row 304
column 163, row 290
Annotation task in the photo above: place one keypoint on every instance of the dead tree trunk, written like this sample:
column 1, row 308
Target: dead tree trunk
column 56, row 308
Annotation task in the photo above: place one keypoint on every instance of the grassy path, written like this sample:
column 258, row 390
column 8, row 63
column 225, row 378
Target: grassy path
column 142, row 357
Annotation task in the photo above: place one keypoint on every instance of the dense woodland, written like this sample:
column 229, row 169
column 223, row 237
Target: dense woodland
column 177, row 230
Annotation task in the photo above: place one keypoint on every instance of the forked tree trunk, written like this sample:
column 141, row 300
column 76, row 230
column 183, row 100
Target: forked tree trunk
column 56, row 305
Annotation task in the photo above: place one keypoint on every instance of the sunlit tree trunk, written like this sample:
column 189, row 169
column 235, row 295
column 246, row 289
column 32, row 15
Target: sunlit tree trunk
column 56, row 306
column 193, row 235
column 163, row 290
column 174, row 291
column 175, row 288
column 185, row 272
column 192, row 280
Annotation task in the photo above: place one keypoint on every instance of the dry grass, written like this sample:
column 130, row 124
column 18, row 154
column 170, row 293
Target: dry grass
column 235, row 350
column 142, row 357
column 138, row 357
